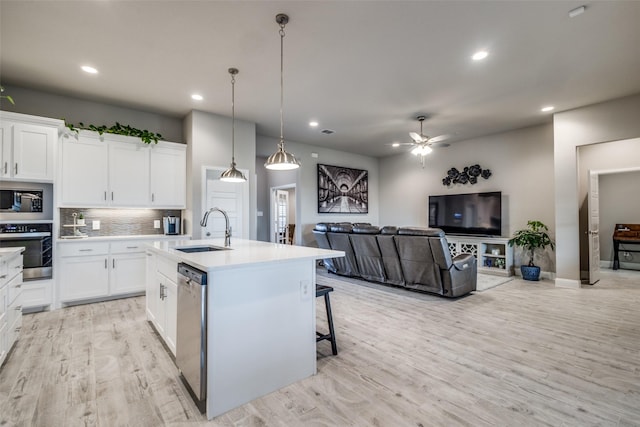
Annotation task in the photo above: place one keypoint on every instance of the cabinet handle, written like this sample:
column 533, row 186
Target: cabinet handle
column 19, row 308
column 112, row 195
column 148, row 254
column 18, row 329
column 5, row 168
column 161, row 291
column 105, row 263
column 153, row 197
column 105, row 195
column 16, row 172
column 19, row 286
column 132, row 247
column 4, row 276
column 85, row 250
column 113, row 261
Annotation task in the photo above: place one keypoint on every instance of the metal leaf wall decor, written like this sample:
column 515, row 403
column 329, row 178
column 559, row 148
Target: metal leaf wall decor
column 469, row 175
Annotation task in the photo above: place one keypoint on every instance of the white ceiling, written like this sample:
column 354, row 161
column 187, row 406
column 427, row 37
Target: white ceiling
column 364, row 69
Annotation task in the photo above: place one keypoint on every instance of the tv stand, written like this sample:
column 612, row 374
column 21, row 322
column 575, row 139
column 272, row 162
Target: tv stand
column 494, row 254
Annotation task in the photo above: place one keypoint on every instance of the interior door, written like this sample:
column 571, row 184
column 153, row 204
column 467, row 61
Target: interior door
column 229, row 197
column 593, row 201
column 281, row 216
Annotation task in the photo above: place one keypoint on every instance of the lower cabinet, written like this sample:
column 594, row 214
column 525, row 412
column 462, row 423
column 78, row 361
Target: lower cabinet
column 494, row 254
column 162, row 297
column 89, row 270
column 10, row 302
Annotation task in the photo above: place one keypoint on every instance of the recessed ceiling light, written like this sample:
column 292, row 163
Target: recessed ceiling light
column 88, row 69
column 395, row 144
column 313, row 123
column 197, row 97
column 479, row 55
column 547, row 108
column 577, row 11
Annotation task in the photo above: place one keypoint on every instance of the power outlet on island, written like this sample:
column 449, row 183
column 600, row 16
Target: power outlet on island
column 305, row 289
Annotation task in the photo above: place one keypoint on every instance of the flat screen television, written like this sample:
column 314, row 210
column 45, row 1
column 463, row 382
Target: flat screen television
column 478, row 214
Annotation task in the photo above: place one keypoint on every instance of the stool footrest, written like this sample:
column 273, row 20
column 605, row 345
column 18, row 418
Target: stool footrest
column 322, row 290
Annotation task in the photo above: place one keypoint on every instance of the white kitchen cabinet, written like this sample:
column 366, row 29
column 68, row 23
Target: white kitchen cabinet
column 36, row 294
column 128, row 268
column 28, row 147
column 168, row 174
column 128, row 174
column 84, row 173
column 118, row 171
column 91, row 270
column 162, row 298
column 10, row 301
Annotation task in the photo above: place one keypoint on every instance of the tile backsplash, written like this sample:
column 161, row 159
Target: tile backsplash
column 116, row 222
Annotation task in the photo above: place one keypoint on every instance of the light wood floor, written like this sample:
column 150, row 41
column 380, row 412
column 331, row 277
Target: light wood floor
column 520, row 354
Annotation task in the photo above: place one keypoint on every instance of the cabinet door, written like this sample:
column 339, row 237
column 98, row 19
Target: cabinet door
column 153, row 287
column 6, row 129
column 33, row 152
column 168, row 176
column 161, row 291
column 128, row 273
column 171, row 315
column 83, row 176
column 83, row 277
column 128, row 174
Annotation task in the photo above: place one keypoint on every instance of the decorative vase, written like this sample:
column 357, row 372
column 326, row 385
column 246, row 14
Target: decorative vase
column 530, row 273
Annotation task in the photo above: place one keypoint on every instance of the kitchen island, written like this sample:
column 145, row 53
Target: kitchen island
column 260, row 314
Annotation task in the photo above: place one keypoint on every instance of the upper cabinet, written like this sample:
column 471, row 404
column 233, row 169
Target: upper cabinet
column 168, row 175
column 27, row 147
column 98, row 171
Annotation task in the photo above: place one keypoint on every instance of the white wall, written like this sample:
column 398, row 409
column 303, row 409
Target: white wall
column 604, row 122
column 208, row 139
column 521, row 163
column 306, row 180
column 75, row 110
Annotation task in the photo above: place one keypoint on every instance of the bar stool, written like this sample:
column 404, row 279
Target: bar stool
column 322, row 290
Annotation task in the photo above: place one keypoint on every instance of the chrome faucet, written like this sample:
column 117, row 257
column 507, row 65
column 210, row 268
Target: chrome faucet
column 227, row 227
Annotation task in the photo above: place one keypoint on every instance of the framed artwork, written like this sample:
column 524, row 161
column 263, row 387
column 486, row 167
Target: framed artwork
column 342, row 190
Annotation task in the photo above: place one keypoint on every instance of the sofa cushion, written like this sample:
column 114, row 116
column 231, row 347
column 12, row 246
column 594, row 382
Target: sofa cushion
column 341, row 228
column 421, row 231
column 323, row 226
column 365, row 229
column 389, row 230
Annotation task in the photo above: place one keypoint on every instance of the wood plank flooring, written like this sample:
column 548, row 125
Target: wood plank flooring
column 520, row 354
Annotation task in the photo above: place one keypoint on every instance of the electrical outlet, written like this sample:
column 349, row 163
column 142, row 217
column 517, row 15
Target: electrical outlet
column 95, row 224
column 305, row 289
column 156, row 223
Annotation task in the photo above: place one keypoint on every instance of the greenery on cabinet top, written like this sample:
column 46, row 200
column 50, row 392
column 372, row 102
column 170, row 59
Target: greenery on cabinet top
column 146, row 136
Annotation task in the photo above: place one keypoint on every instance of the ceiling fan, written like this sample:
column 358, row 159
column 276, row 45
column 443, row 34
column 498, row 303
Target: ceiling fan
column 423, row 144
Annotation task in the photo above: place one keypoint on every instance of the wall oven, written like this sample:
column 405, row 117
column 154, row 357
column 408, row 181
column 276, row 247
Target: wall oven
column 36, row 239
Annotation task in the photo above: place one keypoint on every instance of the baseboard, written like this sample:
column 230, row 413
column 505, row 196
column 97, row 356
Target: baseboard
column 567, row 283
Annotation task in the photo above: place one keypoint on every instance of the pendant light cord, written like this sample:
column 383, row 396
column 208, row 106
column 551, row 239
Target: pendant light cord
column 233, row 119
column 281, row 143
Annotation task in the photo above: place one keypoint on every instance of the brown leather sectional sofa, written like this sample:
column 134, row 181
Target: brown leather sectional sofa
column 411, row 257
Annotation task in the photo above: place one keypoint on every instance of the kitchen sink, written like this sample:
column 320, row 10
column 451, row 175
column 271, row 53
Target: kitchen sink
column 191, row 249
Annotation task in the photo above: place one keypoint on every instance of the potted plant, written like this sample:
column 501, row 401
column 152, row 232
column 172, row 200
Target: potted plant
column 533, row 237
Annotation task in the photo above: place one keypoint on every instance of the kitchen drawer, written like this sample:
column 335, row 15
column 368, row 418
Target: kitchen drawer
column 128, row 246
column 14, row 266
column 168, row 267
column 37, row 293
column 82, row 249
column 14, row 288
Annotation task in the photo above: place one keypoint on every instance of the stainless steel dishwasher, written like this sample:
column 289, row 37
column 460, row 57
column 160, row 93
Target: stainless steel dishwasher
column 191, row 340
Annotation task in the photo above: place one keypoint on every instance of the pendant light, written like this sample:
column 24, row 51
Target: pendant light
column 281, row 160
column 232, row 174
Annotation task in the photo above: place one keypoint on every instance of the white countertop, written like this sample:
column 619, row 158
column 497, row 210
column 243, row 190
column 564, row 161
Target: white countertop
column 9, row 252
column 242, row 253
column 136, row 237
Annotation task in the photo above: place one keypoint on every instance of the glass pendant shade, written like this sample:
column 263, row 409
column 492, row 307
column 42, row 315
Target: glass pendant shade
column 232, row 174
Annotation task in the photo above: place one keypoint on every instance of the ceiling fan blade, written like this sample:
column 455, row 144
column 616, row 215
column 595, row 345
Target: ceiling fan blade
column 417, row 138
column 439, row 138
column 439, row 144
column 397, row 144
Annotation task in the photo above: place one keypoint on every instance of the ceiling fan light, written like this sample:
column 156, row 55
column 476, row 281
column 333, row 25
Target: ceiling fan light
column 421, row 150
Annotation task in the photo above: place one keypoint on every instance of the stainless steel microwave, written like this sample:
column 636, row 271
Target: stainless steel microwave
column 15, row 200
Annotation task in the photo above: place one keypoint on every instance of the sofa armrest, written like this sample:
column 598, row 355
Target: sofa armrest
column 463, row 261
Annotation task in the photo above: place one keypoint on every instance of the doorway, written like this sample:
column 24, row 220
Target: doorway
column 282, row 215
column 231, row 197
